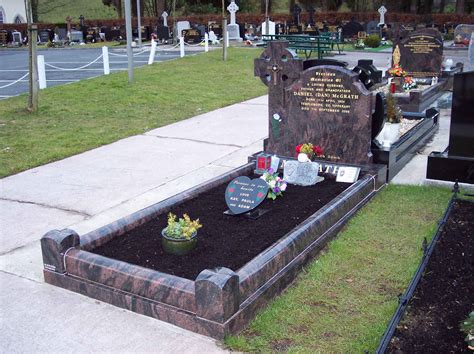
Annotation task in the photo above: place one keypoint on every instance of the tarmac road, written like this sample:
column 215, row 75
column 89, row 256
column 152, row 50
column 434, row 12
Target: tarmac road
column 14, row 65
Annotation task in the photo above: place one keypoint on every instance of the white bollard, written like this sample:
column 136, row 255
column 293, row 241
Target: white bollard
column 206, row 42
column 41, row 72
column 181, row 46
column 227, row 40
column 105, row 59
column 151, row 58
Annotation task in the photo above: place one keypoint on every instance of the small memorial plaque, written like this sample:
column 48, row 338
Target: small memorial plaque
column 347, row 174
column 301, row 173
column 243, row 194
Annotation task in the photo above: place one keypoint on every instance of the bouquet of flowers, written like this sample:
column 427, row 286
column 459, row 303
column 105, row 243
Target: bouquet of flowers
column 409, row 83
column 276, row 185
column 397, row 71
column 310, row 150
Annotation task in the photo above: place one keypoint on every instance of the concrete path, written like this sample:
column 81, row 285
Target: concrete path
column 94, row 188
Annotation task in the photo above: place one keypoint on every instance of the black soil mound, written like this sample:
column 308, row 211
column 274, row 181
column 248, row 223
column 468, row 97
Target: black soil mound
column 444, row 297
column 223, row 241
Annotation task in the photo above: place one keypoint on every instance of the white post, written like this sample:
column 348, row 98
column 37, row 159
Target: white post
column 105, row 59
column 151, row 58
column 227, row 39
column 181, row 46
column 41, row 72
column 206, row 42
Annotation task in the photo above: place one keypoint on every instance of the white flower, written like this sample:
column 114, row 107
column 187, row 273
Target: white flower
column 272, row 184
column 283, row 186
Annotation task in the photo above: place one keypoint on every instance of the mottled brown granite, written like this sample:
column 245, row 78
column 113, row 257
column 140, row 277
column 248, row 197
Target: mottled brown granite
column 220, row 301
column 325, row 105
column 217, row 294
column 54, row 245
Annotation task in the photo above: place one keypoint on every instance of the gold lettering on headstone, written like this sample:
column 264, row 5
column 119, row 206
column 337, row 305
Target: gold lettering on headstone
column 326, row 93
column 422, row 45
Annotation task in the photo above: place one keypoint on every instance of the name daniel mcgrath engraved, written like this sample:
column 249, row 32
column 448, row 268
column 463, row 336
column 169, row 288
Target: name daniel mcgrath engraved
column 326, row 93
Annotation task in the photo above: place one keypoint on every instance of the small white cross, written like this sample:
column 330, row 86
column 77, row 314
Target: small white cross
column 232, row 8
column 165, row 18
column 382, row 10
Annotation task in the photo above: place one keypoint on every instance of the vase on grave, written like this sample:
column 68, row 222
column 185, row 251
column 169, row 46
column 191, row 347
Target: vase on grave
column 398, row 81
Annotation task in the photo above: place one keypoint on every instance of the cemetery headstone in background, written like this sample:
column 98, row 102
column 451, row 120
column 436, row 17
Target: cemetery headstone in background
column 271, row 28
column 233, row 27
column 325, row 105
column 351, row 29
column 296, row 11
column 420, row 53
column 216, row 28
column 462, row 34
column 180, row 26
column 191, row 36
column 3, row 37
column 457, row 161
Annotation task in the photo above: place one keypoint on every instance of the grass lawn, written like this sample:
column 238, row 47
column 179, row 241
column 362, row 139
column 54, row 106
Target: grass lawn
column 343, row 301
column 350, row 48
column 56, row 11
column 84, row 115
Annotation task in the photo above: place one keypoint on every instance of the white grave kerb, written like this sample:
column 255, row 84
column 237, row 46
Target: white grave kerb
column 382, row 10
column 164, row 15
column 232, row 8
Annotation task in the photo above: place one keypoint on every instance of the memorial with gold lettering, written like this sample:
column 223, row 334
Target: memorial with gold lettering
column 326, row 104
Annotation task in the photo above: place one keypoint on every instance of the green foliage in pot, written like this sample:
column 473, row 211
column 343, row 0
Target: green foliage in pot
column 183, row 228
column 394, row 113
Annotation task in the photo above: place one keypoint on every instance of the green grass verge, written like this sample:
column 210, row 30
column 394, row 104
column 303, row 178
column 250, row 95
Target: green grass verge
column 56, row 11
column 343, row 301
column 84, row 115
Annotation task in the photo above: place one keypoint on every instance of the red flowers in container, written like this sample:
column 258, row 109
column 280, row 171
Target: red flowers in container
column 310, row 150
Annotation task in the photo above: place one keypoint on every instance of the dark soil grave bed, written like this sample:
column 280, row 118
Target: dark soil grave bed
column 443, row 298
column 223, row 241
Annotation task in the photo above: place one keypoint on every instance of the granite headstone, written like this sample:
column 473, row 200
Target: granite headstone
column 420, row 53
column 462, row 34
column 324, row 105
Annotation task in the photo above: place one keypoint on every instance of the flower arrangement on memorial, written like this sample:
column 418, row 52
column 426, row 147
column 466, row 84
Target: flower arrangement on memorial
column 183, row 228
column 276, row 185
column 409, row 83
column 310, row 150
column 397, row 71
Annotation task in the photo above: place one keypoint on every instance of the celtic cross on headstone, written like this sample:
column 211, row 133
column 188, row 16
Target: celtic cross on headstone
column 232, row 8
column 382, row 10
column 278, row 65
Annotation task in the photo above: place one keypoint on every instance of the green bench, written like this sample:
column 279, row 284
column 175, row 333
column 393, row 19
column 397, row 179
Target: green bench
column 321, row 44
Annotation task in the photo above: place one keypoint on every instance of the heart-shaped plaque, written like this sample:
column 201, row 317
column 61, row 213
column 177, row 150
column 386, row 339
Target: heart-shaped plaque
column 244, row 194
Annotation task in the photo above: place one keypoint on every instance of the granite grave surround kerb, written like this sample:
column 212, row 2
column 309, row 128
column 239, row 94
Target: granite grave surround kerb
column 219, row 301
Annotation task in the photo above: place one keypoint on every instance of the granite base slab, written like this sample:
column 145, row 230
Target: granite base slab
column 401, row 152
column 219, row 301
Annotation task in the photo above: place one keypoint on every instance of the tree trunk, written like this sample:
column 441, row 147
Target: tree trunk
column 34, row 10
column 460, row 7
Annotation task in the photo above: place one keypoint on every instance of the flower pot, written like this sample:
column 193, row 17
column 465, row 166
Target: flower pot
column 176, row 246
column 391, row 133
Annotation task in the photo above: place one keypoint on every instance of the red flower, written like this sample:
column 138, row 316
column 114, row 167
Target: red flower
column 298, row 148
column 318, row 150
